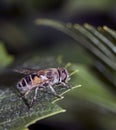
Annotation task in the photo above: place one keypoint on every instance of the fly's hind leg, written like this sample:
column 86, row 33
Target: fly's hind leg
column 26, row 94
column 23, row 97
column 35, row 96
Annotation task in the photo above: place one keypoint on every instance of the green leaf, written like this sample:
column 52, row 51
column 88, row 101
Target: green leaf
column 5, row 59
column 14, row 111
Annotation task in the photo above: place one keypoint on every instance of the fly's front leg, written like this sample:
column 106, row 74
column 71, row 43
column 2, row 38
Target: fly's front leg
column 54, row 92
column 65, row 85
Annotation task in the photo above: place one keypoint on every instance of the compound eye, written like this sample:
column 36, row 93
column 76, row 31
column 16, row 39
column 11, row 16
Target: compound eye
column 64, row 75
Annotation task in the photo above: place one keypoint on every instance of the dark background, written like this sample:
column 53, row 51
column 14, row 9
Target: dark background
column 18, row 30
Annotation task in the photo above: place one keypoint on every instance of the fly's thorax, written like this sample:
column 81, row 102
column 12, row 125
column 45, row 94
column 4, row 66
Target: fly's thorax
column 51, row 76
column 54, row 77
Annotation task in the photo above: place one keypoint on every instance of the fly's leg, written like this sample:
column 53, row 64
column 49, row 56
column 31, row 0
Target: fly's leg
column 35, row 96
column 23, row 97
column 54, row 92
column 65, row 85
column 26, row 94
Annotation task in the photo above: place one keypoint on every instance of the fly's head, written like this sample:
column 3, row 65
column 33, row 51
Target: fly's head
column 64, row 76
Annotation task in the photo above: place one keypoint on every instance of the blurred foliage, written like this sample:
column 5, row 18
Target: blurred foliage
column 80, row 5
column 5, row 59
column 67, row 5
column 17, row 28
column 94, row 91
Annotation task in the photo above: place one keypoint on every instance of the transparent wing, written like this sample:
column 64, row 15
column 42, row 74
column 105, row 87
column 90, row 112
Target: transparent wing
column 25, row 70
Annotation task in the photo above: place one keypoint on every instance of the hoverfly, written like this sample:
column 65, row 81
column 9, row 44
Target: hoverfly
column 40, row 79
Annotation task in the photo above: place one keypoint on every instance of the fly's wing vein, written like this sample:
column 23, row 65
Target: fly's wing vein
column 25, row 70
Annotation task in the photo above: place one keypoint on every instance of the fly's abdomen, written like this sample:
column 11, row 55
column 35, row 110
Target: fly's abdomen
column 25, row 83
